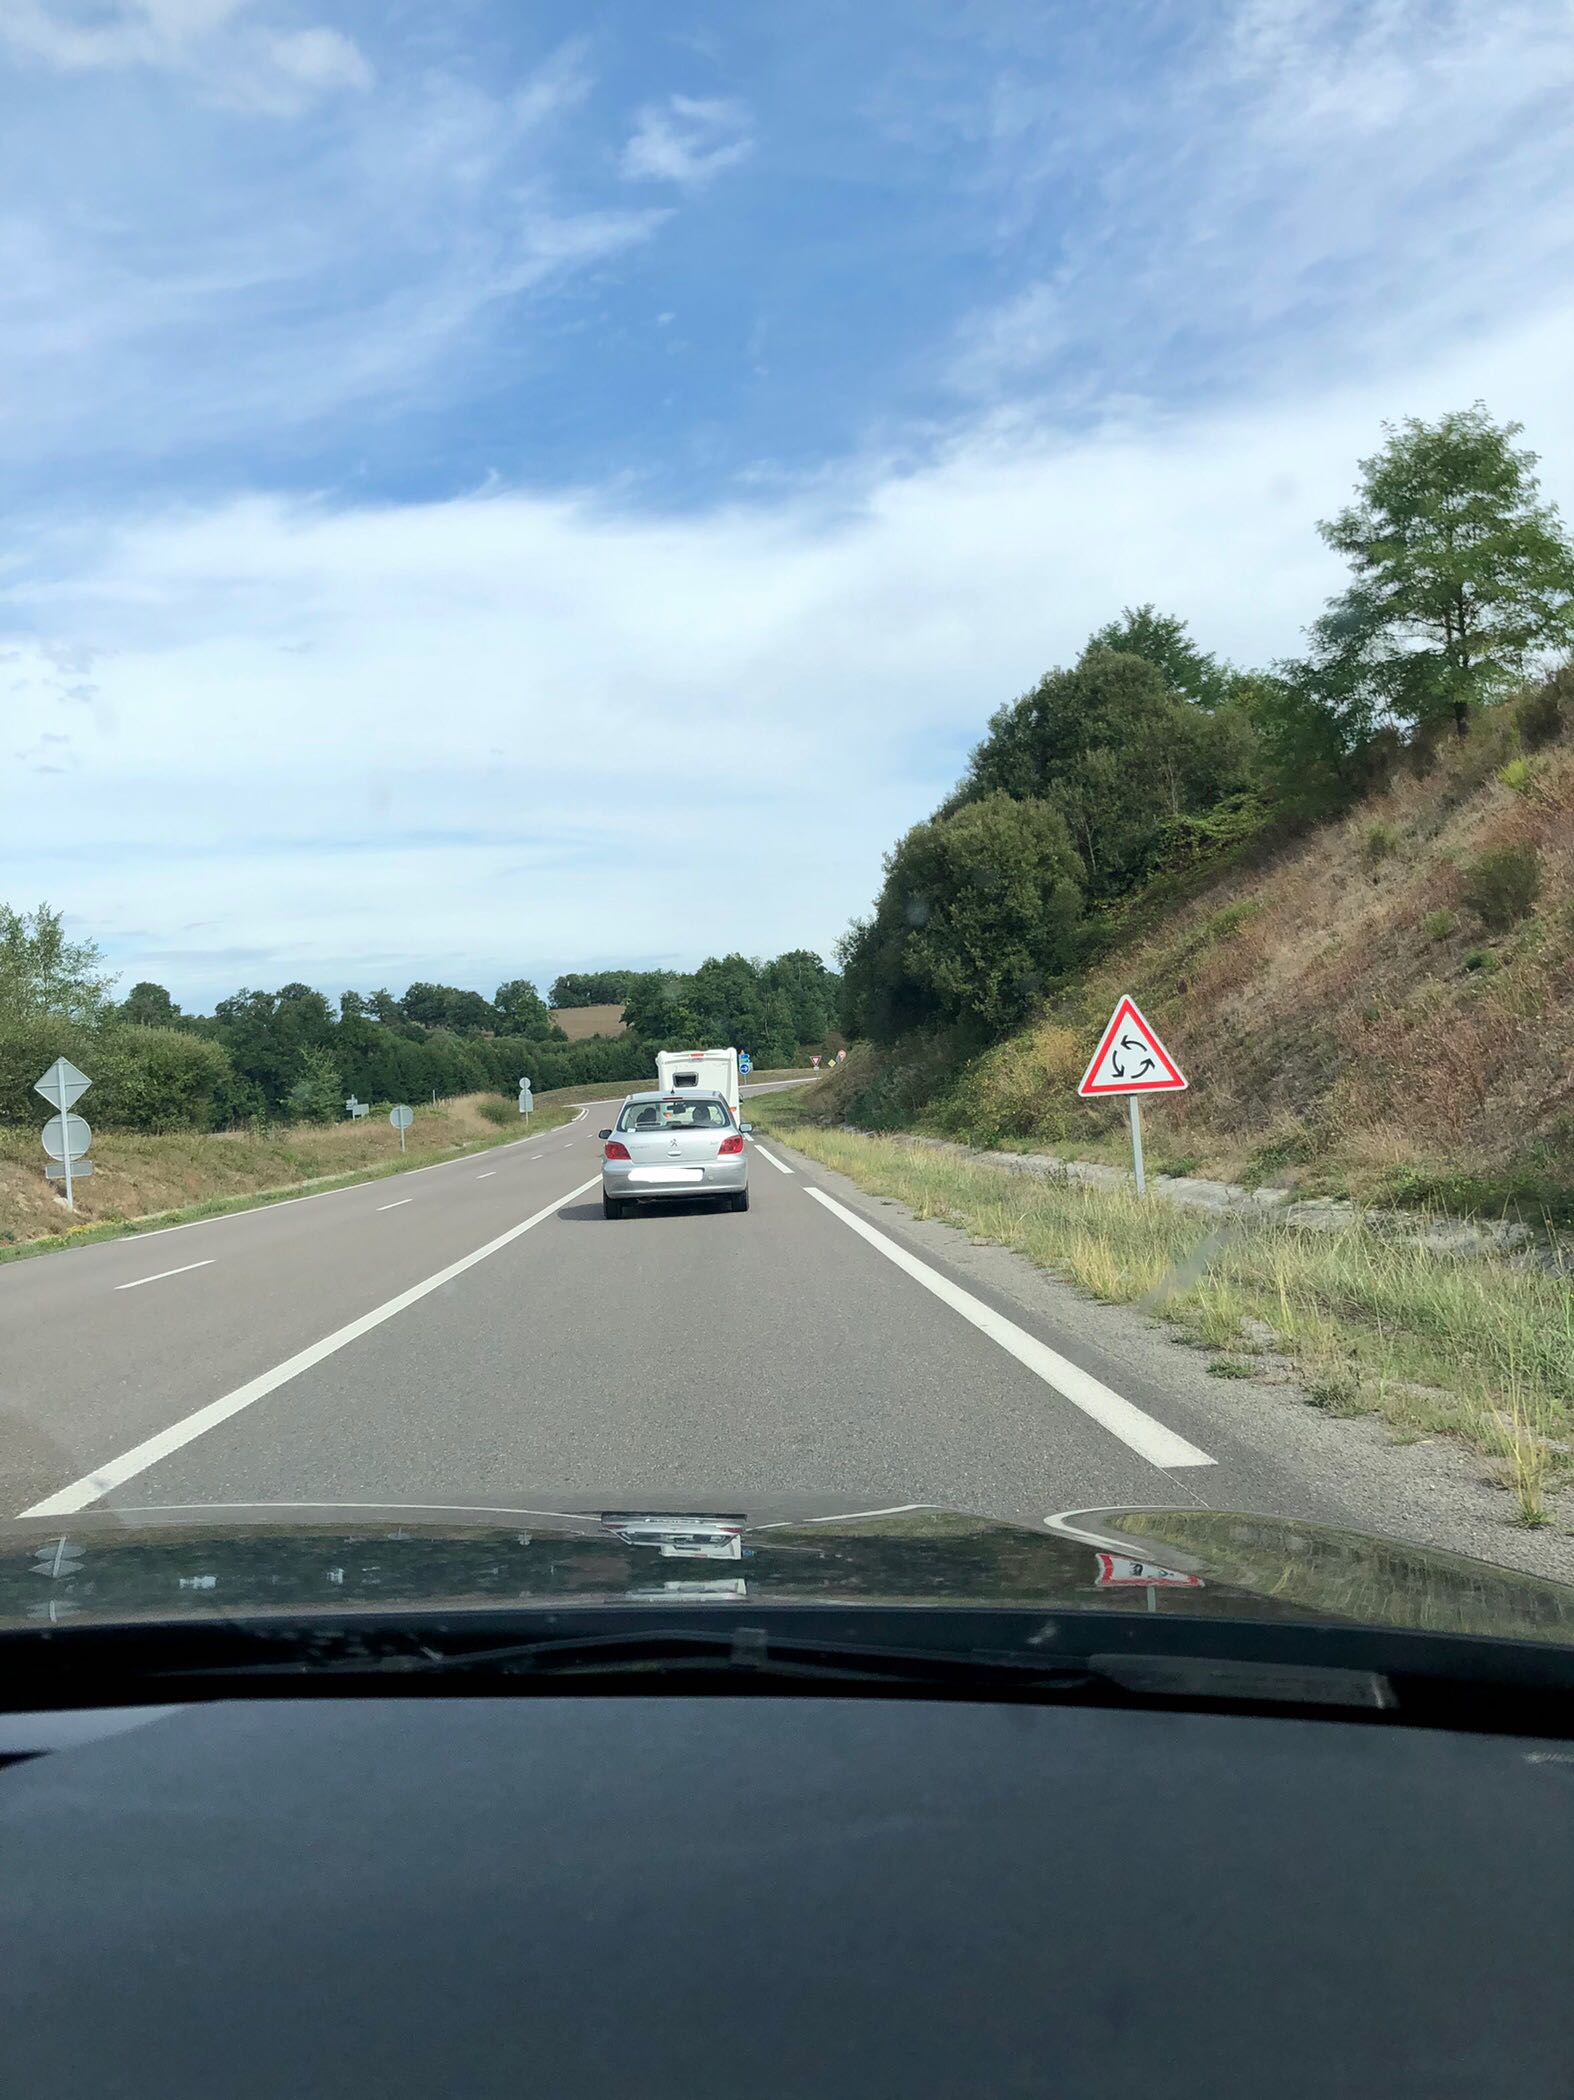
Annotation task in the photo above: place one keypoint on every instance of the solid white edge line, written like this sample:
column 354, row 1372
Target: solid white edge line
column 184, row 1270
column 780, row 1165
column 1149, row 1438
column 91, row 1486
column 403, row 1200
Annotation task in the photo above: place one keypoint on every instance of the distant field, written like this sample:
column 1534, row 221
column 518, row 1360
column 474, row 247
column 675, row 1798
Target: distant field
column 580, row 1023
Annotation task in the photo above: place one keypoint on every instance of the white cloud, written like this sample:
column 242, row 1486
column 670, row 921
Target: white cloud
column 1297, row 181
column 459, row 739
column 304, row 280
column 217, row 42
column 687, row 140
column 320, row 58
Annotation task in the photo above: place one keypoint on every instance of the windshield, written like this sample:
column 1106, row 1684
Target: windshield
column 802, row 767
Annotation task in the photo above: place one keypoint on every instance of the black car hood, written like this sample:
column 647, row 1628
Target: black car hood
column 113, row 1566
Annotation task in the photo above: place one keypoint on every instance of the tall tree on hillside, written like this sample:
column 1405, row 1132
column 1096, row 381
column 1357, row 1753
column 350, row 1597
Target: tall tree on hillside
column 41, row 972
column 972, row 920
column 521, row 1010
column 1163, row 641
column 1462, row 576
column 1118, row 753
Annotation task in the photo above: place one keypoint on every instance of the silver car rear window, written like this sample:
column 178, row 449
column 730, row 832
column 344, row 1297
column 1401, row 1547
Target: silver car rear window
column 675, row 1115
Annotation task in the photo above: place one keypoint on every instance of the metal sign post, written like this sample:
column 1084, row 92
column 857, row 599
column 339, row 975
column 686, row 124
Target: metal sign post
column 401, row 1118
column 66, row 1137
column 1131, row 1060
column 1134, row 1109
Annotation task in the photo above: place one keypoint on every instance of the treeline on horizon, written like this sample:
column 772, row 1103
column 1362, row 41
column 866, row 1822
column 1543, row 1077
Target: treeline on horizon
column 292, row 1054
column 1120, row 781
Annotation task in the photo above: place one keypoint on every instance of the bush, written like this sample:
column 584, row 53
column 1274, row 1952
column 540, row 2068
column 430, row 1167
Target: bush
column 1518, row 774
column 1438, row 925
column 1380, row 841
column 1540, row 715
column 316, row 1096
column 502, row 1113
column 1500, row 886
column 143, row 1078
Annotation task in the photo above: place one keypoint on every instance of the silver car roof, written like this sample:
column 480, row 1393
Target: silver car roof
column 688, row 1093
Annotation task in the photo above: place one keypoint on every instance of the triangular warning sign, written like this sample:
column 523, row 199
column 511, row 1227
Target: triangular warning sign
column 1130, row 1059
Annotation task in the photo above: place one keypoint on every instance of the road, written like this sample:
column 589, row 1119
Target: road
column 477, row 1333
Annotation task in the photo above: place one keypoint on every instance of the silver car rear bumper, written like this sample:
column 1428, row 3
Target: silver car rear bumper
column 722, row 1177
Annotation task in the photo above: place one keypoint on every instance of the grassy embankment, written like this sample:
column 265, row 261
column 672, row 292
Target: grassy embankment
column 143, row 1182
column 1433, row 1345
column 1359, row 1013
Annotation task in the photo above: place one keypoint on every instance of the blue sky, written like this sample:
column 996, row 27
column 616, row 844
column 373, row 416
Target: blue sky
column 492, row 488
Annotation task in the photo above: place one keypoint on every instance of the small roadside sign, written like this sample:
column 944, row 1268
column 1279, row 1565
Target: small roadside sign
column 352, row 1107
column 1117, row 1572
column 745, row 1062
column 62, row 1084
column 527, row 1100
column 1131, row 1060
column 66, row 1137
column 401, row 1117
column 67, row 1170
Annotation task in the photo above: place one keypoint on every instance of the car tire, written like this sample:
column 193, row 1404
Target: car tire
column 612, row 1207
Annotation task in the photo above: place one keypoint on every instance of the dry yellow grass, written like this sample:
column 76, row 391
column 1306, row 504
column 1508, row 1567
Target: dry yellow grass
column 137, row 1176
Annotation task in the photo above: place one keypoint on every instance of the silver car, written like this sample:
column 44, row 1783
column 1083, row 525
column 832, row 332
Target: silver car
column 666, row 1147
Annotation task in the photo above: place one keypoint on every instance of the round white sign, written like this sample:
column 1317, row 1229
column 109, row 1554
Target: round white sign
column 401, row 1117
column 67, row 1135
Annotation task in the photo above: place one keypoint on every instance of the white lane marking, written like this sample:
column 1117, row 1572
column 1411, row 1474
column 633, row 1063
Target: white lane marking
column 1149, row 1438
column 403, row 1200
column 538, row 1155
column 130, row 1463
column 780, row 1165
column 487, row 1175
column 184, row 1270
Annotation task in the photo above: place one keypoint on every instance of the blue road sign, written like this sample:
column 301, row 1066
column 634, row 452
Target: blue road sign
column 746, row 1063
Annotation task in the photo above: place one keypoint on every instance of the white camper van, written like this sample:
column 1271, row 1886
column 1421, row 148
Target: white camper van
column 712, row 1071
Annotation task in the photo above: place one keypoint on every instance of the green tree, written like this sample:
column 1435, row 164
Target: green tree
column 1462, row 577
column 1119, row 754
column 1163, row 641
column 974, row 915
column 317, row 1095
column 810, row 990
column 41, row 972
column 148, row 1006
column 591, row 987
column 521, row 1010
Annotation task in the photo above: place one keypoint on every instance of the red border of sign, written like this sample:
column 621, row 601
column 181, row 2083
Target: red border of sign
column 1128, row 1010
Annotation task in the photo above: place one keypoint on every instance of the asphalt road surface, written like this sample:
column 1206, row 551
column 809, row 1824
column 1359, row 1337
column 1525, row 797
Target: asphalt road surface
column 476, row 1333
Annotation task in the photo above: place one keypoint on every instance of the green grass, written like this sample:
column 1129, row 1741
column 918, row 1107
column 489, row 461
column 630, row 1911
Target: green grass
column 261, row 1199
column 1473, row 1348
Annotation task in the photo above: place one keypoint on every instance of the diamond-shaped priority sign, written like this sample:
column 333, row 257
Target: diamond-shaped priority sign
column 1130, row 1059
column 62, row 1085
